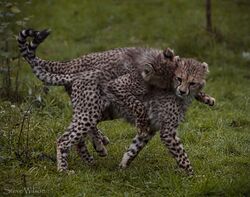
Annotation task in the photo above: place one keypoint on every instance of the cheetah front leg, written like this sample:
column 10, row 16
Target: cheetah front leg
column 122, row 92
column 172, row 142
column 205, row 98
column 137, row 145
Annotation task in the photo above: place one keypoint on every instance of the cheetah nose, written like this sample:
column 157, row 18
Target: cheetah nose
column 182, row 92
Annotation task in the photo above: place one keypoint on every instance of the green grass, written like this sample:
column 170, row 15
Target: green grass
column 217, row 139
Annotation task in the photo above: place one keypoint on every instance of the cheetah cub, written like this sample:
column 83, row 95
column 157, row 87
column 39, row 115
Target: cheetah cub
column 166, row 111
column 123, row 75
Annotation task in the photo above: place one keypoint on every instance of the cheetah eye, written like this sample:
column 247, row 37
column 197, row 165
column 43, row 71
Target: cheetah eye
column 192, row 83
column 179, row 79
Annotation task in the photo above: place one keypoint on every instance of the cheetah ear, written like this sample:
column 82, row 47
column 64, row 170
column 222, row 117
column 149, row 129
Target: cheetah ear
column 205, row 67
column 177, row 61
column 177, row 58
column 168, row 54
column 147, row 72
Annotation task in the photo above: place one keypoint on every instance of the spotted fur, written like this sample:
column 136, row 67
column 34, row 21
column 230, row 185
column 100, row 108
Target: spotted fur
column 120, row 76
column 166, row 111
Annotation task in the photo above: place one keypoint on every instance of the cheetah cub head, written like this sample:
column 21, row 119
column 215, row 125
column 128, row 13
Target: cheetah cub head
column 185, row 76
column 189, row 77
column 158, row 68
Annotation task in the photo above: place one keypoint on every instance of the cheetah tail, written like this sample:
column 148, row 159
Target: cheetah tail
column 28, row 49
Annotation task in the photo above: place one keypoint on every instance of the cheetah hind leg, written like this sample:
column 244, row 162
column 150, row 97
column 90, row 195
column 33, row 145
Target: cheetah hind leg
column 104, row 138
column 99, row 141
column 64, row 144
column 84, row 153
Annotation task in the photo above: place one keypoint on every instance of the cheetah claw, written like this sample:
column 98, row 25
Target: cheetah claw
column 210, row 101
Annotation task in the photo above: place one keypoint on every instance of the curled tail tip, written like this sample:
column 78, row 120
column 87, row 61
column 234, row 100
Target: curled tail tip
column 45, row 32
column 28, row 48
column 41, row 35
column 33, row 33
column 48, row 30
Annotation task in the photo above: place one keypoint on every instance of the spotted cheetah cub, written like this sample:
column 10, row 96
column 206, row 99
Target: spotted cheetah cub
column 126, row 74
column 166, row 111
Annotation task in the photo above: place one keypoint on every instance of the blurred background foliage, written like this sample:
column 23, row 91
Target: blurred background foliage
column 12, row 19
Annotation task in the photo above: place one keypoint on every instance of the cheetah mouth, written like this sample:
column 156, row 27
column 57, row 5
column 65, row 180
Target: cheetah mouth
column 182, row 96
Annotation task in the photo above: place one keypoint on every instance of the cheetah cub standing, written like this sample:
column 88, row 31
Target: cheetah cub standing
column 123, row 66
column 87, row 97
column 166, row 111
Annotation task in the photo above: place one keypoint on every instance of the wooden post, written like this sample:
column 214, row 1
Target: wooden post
column 208, row 16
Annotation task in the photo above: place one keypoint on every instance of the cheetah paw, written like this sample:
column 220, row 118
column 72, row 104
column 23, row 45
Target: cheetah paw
column 122, row 166
column 102, row 153
column 101, row 150
column 70, row 172
column 90, row 161
column 210, row 101
column 66, row 171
